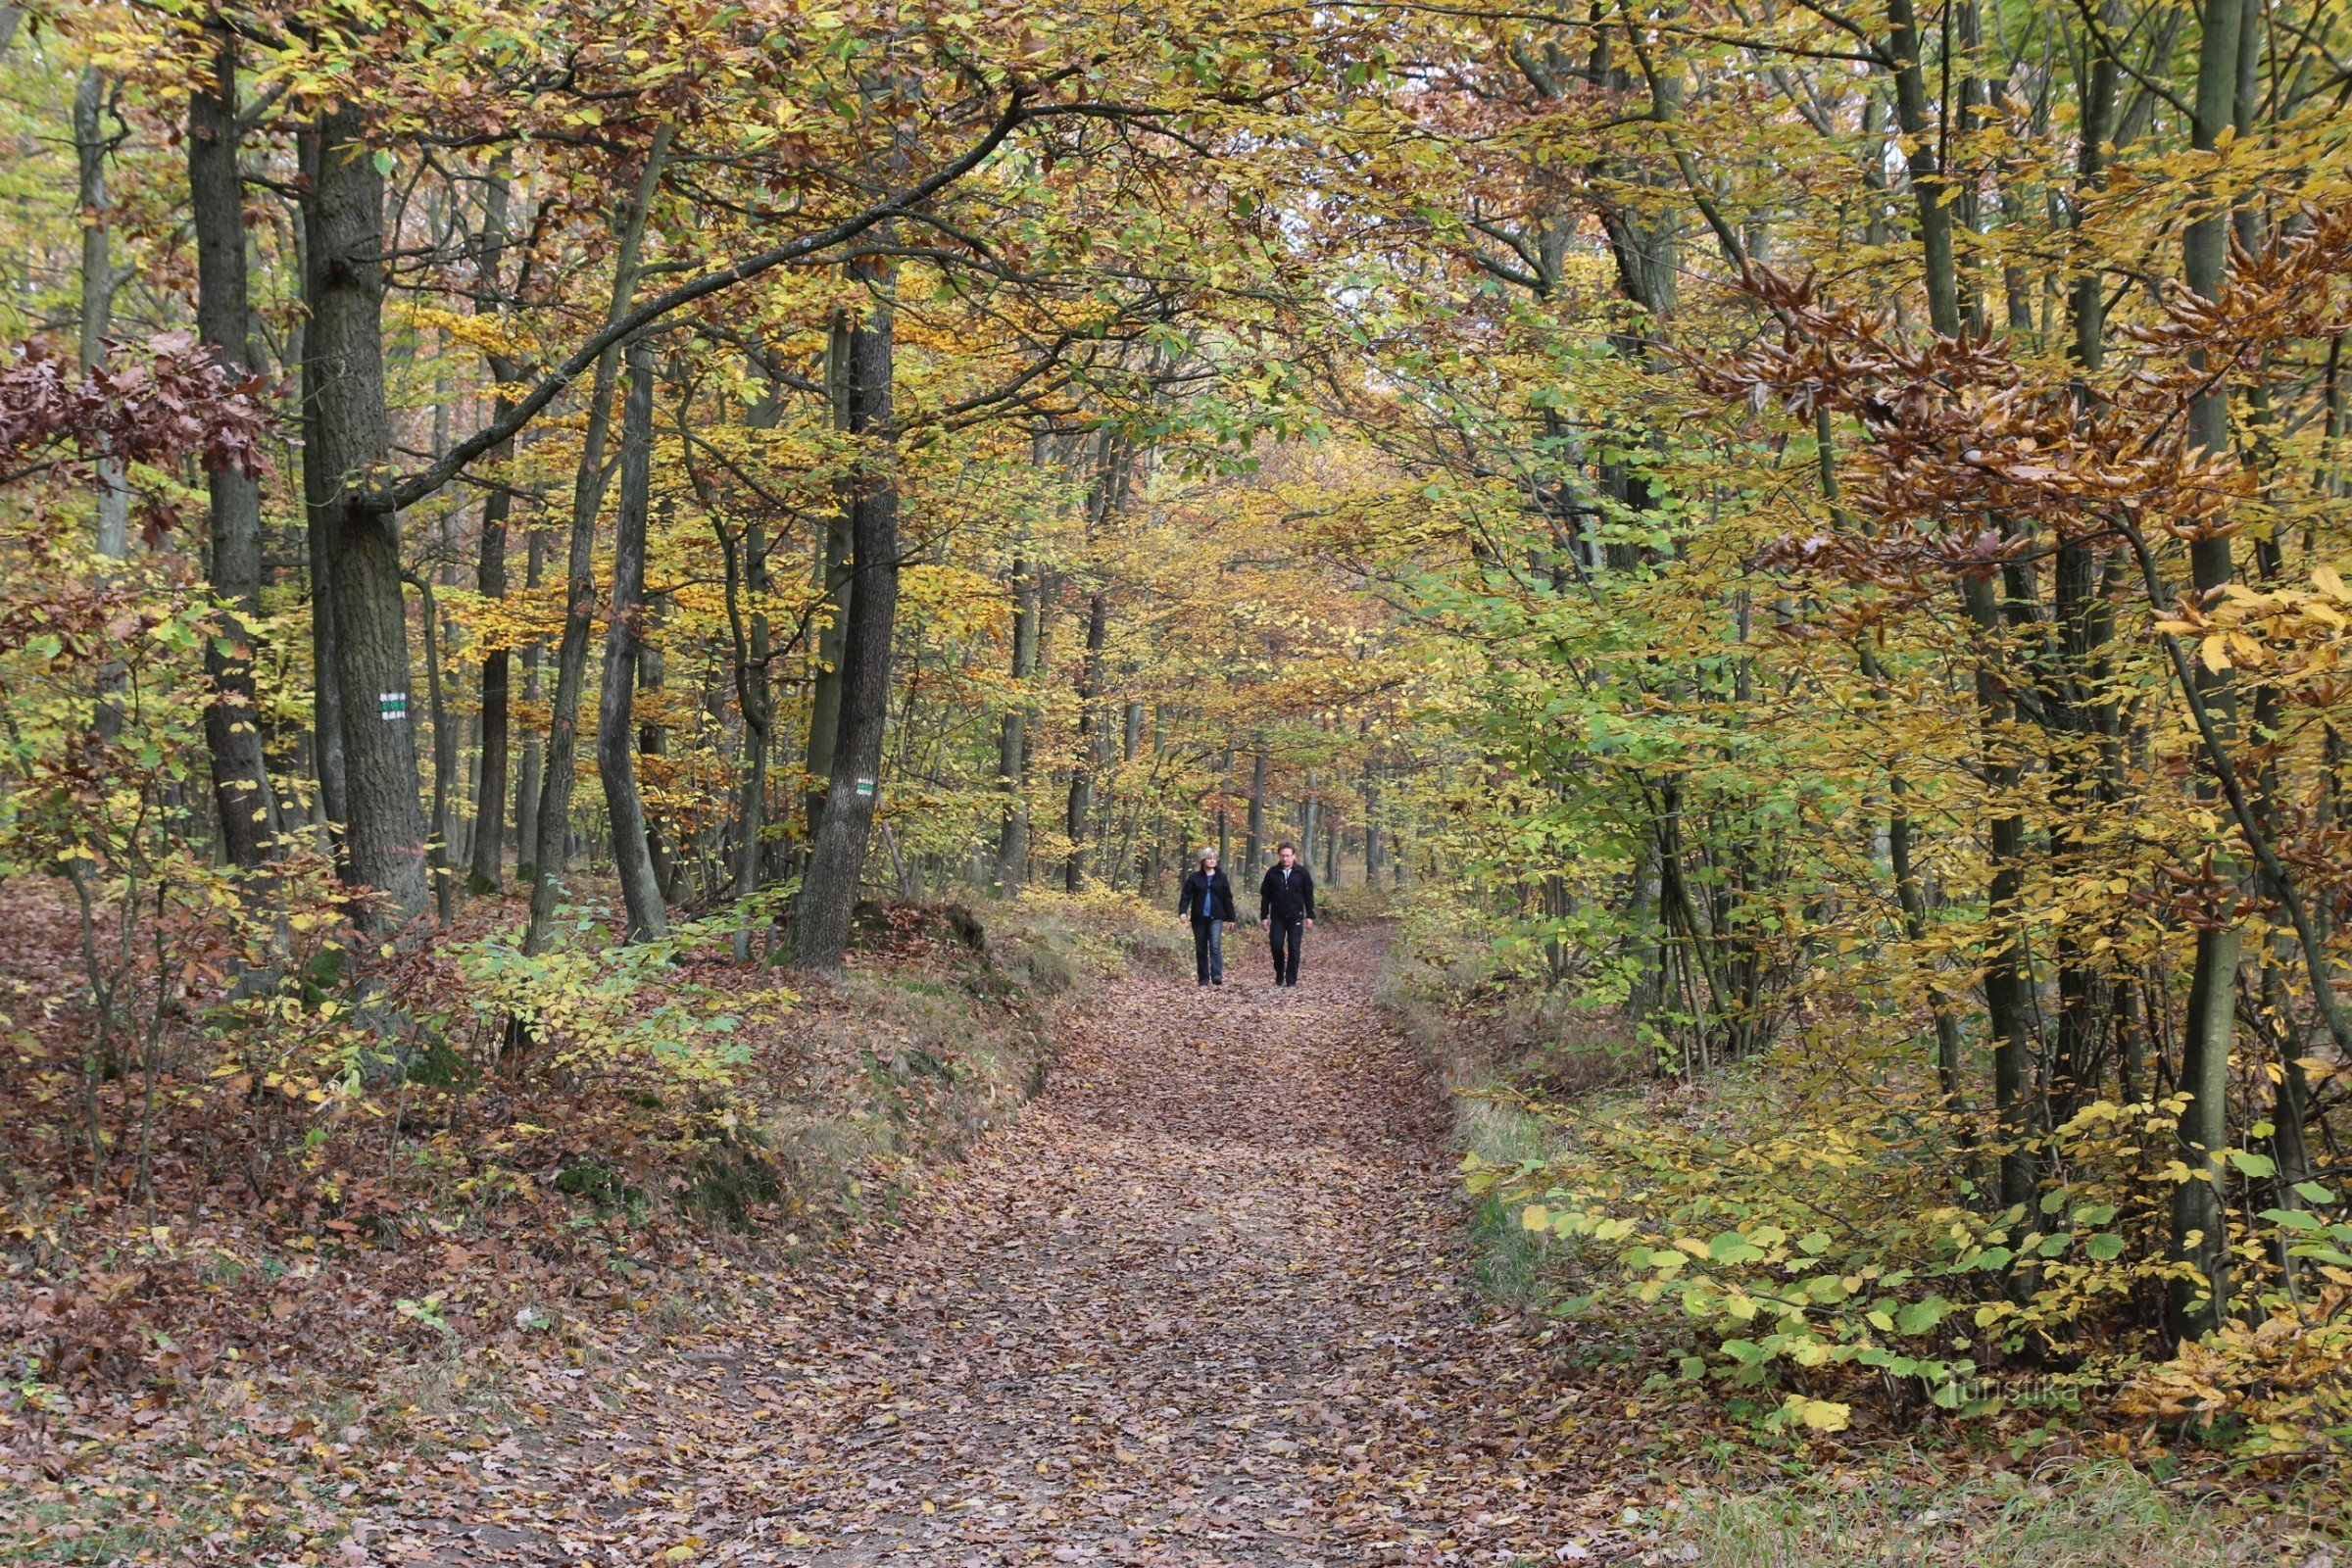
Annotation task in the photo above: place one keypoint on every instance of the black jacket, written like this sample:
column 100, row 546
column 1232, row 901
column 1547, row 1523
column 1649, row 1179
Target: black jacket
column 1294, row 900
column 1206, row 898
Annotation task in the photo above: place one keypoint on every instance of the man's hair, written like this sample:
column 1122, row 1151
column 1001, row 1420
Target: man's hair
column 1286, row 844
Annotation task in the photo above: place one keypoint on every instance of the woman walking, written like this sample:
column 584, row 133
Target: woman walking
column 1208, row 898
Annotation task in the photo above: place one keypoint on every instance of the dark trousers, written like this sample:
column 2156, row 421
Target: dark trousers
column 1209, row 950
column 1282, row 935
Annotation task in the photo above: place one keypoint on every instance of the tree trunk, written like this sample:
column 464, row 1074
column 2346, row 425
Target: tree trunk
column 1082, row 768
column 837, row 855
column 343, row 356
column 587, row 499
column 653, row 738
column 487, row 872
column 241, row 791
column 754, row 701
column 528, row 766
column 445, row 761
column 1012, row 739
column 98, row 283
column 2200, row 1227
column 835, row 589
column 1257, row 808
column 615, row 719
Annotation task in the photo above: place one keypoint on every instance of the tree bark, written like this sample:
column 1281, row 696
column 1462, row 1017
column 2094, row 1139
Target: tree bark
column 653, row 737
column 749, row 649
column 98, row 283
column 1085, row 762
column 615, row 719
column 2200, row 1223
column 1012, row 737
column 343, row 355
column 554, row 851
column 1257, row 808
column 754, row 701
column 837, row 855
column 527, row 767
column 445, row 759
column 487, row 872
column 835, row 590
column 242, row 796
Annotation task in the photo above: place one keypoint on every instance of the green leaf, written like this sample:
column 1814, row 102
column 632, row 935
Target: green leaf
column 2314, row 1192
column 2105, row 1249
column 1921, row 1316
column 2251, row 1164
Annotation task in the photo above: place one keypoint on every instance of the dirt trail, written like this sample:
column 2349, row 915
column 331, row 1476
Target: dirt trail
column 1201, row 1305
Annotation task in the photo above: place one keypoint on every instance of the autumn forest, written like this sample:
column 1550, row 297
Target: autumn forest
column 621, row 625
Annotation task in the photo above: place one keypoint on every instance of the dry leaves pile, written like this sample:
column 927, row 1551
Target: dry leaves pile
column 1201, row 1305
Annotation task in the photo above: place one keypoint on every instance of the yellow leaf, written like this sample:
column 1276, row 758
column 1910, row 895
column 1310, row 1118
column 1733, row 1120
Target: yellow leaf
column 1827, row 1415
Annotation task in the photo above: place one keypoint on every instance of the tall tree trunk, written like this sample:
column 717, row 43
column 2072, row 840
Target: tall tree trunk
column 343, row 353
column 2200, row 1226
column 834, row 586
column 615, row 719
column 98, row 283
column 319, row 486
column 487, row 872
column 2083, row 623
column 445, row 759
column 528, row 766
column 587, row 499
column 1084, row 766
column 1012, row 737
column 751, row 650
column 1257, row 808
column 837, row 855
column 1224, row 816
column 2007, row 990
column 653, row 736
column 754, row 701
column 241, row 793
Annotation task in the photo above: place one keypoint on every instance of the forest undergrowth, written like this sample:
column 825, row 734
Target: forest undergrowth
column 2045, row 1467
column 202, row 1367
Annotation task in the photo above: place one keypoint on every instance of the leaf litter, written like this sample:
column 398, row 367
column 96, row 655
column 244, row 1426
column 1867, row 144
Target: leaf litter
column 1206, row 1302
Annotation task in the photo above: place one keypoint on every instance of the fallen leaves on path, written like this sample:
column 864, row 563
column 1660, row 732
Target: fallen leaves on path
column 1201, row 1306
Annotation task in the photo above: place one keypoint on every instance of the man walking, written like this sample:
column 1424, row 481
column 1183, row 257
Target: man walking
column 1207, row 896
column 1286, row 905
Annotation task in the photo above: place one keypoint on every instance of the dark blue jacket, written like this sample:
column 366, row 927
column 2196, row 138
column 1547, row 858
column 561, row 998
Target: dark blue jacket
column 1206, row 898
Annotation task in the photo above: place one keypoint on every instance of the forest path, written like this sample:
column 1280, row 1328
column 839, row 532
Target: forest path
column 1201, row 1304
